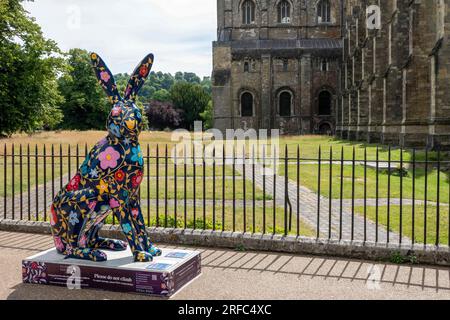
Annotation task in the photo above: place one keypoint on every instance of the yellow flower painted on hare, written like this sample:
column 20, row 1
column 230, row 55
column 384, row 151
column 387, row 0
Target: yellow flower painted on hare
column 102, row 187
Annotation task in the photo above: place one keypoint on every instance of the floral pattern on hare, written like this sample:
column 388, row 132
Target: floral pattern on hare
column 108, row 180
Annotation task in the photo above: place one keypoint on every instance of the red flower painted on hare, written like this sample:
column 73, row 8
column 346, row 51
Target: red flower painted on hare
column 74, row 184
column 143, row 71
column 137, row 179
column 53, row 217
column 119, row 175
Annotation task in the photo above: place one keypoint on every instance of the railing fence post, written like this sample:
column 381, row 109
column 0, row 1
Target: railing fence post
column 21, row 180
column 13, row 211
column 286, row 189
column 5, row 178
column 438, row 187
column 330, row 193
column 319, row 178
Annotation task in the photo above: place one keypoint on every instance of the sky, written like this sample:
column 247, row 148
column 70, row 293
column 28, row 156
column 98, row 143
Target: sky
column 178, row 32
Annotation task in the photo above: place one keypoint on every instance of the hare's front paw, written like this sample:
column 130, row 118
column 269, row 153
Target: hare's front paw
column 141, row 256
column 154, row 251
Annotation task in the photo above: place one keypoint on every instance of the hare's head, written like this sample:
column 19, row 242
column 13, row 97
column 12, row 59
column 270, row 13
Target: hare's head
column 125, row 118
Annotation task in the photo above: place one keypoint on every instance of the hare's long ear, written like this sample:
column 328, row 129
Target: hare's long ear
column 138, row 78
column 105, row 78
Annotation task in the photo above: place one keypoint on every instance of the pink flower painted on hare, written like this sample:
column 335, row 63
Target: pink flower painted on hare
column 58, row 244
column 116, row 111
column 83, row 242
column 113, row 203
column 92, row 205
column 105, row 76
column 108, row 158
column 135, row 212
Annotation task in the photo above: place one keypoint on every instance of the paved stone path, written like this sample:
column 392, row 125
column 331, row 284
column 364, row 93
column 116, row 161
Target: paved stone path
column 33, row 204
column 308, row 200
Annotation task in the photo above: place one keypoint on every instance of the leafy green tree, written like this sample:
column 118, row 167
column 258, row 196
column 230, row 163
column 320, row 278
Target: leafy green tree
column 207, row 85
column 192, row 99
column 29, row 65
column 191, row 77
column 161, row 95
column 208, row 116
column 86, row 106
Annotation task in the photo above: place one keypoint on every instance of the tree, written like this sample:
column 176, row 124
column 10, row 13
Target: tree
column 86, row 106
column 192, row 99
column 161, row 95
column 207, row 85
column 29, row 65
column 208, row 116
column 191, row 77
column 162, row 115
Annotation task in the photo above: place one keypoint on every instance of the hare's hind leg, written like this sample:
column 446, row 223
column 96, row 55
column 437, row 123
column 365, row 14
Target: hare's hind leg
column 73, row 209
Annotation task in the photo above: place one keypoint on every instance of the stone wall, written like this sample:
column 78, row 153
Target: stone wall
column 395, row 81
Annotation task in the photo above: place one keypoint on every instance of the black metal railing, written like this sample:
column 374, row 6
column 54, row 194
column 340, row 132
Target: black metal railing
column 374, row 194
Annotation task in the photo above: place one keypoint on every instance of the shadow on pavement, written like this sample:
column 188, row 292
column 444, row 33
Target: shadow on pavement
column 39, row 292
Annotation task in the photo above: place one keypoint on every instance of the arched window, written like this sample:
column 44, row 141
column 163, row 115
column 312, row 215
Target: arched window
column 248, row 12
column 285, row 101
column 323, row 11
column 285, row 65
column 284, row 12
column 247, row 105
column 324, row 103
column 324, row 65
column 325, row 129
column 246, row 66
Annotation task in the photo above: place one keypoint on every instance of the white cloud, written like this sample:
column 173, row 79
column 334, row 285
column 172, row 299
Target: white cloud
column 178, row 32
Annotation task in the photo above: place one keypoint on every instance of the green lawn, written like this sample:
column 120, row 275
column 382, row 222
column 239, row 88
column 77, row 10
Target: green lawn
column 309, row 178
column 209, row 189
column 407, row 222
column 309, row 149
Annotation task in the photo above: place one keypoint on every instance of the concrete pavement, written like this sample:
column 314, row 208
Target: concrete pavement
column 229, row 275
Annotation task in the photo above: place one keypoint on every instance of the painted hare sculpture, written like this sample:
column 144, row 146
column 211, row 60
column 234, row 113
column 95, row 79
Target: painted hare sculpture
column 108, row 181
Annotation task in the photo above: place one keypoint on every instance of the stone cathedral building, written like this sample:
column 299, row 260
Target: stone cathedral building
column 276, row 65
column 313, row 66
